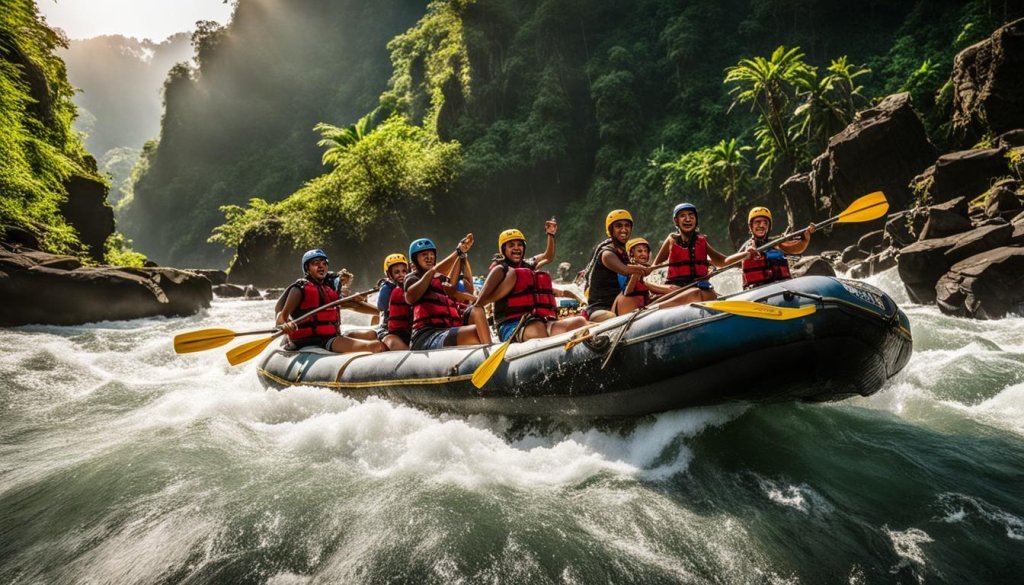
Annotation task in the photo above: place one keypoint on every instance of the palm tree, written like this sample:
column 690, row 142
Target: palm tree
column 829, row 104
column 338, row 140
column 769, row 85
column 721, row 168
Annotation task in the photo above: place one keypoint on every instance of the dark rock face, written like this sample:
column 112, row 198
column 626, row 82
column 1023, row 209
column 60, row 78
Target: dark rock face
column 979, row 240
column 812, row 266
column 871, row 242
column 988, row 85
column 923, row 263
column 882, row 150
column 946, row 219
column 87, row 211
column 229, row 291
column 967, row 173
column 799, row 201
column 901, row 229
column 880, row 262
column 853, row 254
column 1003, row 202
column 55, row 290
column 986, row 286
column 266, row 258
column 213, row 275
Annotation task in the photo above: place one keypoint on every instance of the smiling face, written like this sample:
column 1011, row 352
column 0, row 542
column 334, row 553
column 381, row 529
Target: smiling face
column 398, row 271
column 514, row 250
column 759, row 226
column 317, row 268
column 640, row 254
column 425, row 259
column 686, row 221
column 621, row 230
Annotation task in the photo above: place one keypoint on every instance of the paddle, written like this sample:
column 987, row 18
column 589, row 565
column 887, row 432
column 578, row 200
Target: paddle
column 757, row 310
column 204, row 339
column 485, row 370
column 251, row 349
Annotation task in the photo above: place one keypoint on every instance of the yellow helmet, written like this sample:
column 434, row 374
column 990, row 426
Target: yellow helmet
column 635, row 242
column 760, row 212
column 617, row 215
column 393, row 259
column 507, row 236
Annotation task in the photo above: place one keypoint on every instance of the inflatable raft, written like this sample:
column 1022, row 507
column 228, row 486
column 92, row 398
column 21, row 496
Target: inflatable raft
column 856, row 339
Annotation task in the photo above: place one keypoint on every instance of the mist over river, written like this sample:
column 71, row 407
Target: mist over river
column 121, row 462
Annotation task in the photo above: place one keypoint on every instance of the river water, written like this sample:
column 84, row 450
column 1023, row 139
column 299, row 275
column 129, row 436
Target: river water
column 121, row 462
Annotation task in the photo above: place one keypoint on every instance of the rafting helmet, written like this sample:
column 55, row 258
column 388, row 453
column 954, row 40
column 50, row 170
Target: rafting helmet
column 617, row 215
column 420, row 245
column 636, row 242
column 392, row 259
column 508, row 236
column 684, row 207
column 310, row 256
column 760, row 212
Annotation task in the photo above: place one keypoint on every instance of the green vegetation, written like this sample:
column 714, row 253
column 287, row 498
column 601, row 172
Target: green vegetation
column 558, row 107
column 38, row 149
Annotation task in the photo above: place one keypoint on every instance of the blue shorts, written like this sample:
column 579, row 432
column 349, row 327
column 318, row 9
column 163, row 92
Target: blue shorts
column 506, row 328
column 434, row 338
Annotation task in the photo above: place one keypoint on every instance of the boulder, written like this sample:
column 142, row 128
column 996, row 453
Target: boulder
column 87, row 211
column 946, row 219
column 229, row 291
column 853, row 254
column 811, row 266
column 213, row 275
column 988, row 95
column 989, row 285
column 1011, row 139
column 1003, row 202
column 1017, row 237
column 967, row 173
column 879, row 262
column 979, row 240
column 921, row 264
column 251, row 293
column 902, row 228
column 37, row 290
column 265, row 257
column 881, row 150
column 801, row 208
column 871, row 242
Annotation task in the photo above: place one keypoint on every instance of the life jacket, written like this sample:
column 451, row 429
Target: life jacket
column 435, row 309
column 323, row 323
column 602, row 282
column 640, row 290
column 687, row 264
column 399, row 314
column 533, row 293
column 768, row 267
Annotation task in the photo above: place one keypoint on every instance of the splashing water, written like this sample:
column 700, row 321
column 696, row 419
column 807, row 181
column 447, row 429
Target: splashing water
column 122, row 462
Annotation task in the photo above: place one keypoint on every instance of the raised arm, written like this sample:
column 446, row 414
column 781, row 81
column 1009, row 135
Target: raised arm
column 550, row 229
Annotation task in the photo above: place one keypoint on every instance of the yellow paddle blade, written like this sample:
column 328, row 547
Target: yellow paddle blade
column 484, row 372
column 869, row 207
column 758, row 310
column 247, row 351
column 202, row 340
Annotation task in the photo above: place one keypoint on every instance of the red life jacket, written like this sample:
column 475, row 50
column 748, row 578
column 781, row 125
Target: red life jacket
column 688, row 264
column 399, row 313
column 323, row 323
column 435, row 308
column 762, row 270
column 640, row 290
column 533, row 293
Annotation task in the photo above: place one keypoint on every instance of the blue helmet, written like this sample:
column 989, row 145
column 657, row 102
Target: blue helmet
column 685, row 207
column 312, row 255
column 420, row 245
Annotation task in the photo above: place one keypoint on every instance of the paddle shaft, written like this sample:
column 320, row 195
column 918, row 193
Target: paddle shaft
column 278, row 331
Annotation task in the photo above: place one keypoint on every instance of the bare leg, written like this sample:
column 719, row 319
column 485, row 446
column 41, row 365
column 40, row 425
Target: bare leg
column 694, row 295
column 601, row 315
column 394, row 343
column 534, row 330
column 482, row 332
column 367, row 334
column 624, row 304
column 567, row 324
column 346, row 344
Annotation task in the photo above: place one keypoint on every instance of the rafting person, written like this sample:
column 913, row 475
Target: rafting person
column 314, row 290
column 518, row 288
column 436, row 318
column 772, row 265
column 636, row 292
column 395, row 327
column 607, row 263
column 690, row 256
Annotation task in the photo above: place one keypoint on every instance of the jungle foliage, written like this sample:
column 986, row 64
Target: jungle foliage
column 559, row 107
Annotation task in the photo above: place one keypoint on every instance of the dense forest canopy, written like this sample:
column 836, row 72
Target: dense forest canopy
column 558, row 107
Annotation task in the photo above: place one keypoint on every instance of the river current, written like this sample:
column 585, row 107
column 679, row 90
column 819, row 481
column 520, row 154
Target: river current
column 121, row 462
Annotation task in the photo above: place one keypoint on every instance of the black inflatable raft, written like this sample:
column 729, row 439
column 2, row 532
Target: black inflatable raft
column 669, row 358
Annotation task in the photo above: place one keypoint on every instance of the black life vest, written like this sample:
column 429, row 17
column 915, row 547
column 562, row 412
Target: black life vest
column 323, row 323
column 602, row 282
column 689, row 263
column 770, row 266
column 533, row 293
column 399, row 314
column 435, row 309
